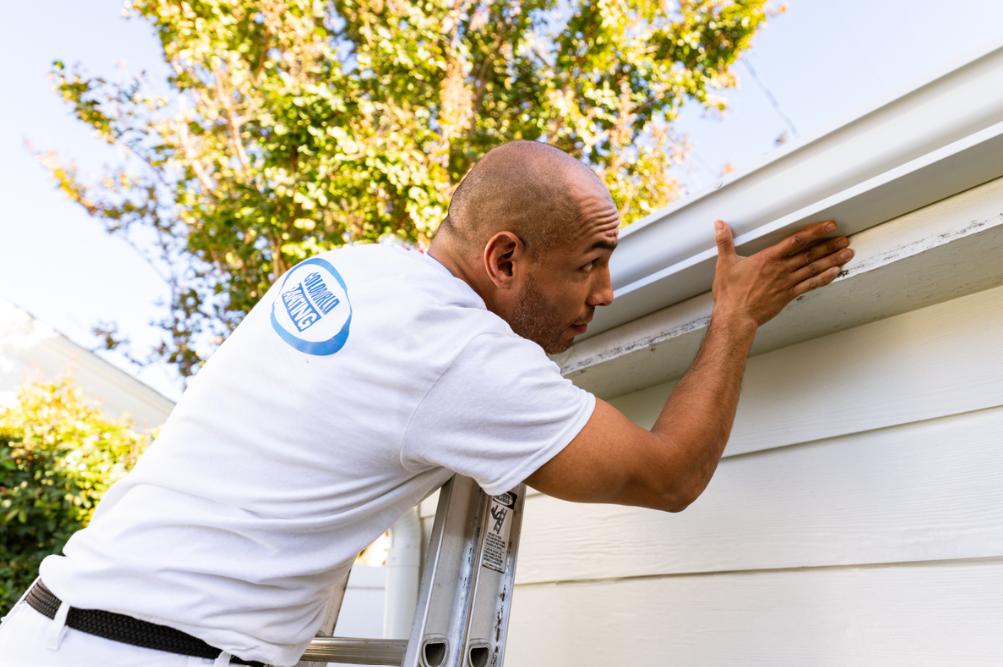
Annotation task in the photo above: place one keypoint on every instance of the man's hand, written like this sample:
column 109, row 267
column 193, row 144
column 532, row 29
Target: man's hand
column 755, row 289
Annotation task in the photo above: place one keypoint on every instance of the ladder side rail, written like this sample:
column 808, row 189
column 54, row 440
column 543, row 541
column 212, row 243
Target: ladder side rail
column 491, row 607
column 438, row 635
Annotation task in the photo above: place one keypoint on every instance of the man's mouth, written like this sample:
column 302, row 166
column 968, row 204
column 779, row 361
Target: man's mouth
column 579, row 329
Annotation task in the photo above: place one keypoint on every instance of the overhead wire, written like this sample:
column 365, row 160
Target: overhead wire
column 773, row 101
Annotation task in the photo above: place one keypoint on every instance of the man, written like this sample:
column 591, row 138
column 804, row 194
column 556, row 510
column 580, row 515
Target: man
column 363, row 380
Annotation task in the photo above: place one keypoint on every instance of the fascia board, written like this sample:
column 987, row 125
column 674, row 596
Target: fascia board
column 940, row 130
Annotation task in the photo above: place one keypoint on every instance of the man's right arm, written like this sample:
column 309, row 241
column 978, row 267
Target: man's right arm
column 612, row 460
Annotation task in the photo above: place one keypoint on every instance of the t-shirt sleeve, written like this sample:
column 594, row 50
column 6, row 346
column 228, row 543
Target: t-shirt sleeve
column 499, row 412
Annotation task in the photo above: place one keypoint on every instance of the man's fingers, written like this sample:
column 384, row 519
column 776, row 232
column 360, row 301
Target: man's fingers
column 725, row 241
column 816, row 252
column 821, row 265
column 793, row 244
column 820, row 280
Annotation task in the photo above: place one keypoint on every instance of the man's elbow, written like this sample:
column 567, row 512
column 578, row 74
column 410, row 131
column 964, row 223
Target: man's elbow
column 676, row 504
column 676, row 498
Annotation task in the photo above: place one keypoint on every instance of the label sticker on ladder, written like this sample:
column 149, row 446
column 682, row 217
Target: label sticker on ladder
column 499, row 529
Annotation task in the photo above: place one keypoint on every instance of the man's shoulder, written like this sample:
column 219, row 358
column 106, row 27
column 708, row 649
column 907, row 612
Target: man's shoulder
column 385, row 263
column 400, row 277
column 393, row 292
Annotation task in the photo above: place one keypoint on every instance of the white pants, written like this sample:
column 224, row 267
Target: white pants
column 26, row 635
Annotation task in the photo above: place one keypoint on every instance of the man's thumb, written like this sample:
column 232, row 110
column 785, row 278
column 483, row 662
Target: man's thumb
column 725, row 241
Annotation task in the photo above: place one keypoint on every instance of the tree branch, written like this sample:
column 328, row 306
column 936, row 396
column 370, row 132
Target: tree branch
column 196, row 164
column 261, row 59
column 238, row 145
column 482, row 83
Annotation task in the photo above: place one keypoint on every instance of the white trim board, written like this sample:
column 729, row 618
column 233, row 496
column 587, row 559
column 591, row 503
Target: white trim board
column 938, row 136
column 28, row 344
column 940, row 252
column 924, row 491
column 934, row 615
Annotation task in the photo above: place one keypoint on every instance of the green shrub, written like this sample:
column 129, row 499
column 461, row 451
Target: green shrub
column 58, row 455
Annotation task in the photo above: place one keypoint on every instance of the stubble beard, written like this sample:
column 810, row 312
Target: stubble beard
column 536, row 320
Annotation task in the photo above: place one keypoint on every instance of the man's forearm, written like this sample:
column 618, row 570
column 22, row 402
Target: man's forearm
column 697, row 419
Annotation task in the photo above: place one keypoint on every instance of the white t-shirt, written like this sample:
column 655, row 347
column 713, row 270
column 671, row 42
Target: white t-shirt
column 358, row 385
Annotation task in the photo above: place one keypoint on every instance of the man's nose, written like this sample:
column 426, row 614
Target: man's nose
column 602, row 289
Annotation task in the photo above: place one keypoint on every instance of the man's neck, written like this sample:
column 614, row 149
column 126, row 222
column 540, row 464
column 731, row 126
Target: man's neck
column 449, row 255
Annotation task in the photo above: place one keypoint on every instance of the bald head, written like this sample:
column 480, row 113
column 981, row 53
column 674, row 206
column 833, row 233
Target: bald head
column 526, row 187
column 531, row 231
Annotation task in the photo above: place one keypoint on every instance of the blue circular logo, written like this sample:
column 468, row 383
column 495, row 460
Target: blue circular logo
column 312, row 311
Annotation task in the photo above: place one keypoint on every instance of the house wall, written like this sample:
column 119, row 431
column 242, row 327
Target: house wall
column 361, row 612
column 856, row 518
column 32, row 350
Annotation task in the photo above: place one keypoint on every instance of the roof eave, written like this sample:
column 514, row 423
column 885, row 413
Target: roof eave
column 938, row 136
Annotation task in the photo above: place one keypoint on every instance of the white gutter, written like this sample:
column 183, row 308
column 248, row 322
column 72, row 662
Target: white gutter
column 403, row 562
column 933, row 138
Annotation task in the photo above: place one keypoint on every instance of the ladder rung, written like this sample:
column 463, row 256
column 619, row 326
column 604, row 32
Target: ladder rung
column 358, row 651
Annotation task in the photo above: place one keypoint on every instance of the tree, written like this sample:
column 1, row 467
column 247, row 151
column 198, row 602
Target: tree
column 295, row 126
column 58, row 455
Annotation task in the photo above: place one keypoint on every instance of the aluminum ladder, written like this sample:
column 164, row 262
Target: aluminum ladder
column 465, row 597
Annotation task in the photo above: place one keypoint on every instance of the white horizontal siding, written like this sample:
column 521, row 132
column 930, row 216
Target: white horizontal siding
column 857, row 518
column 361, row 613
column 934, row 614
column 933, row 362
column 924, row 491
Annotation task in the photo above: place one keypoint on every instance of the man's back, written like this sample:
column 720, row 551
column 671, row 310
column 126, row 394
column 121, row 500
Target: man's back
column 292, row 451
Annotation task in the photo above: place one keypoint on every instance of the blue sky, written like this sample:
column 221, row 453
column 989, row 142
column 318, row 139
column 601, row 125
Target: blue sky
column 821, row 59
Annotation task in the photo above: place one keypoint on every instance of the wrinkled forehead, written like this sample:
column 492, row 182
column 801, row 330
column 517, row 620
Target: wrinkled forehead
column 598, row 220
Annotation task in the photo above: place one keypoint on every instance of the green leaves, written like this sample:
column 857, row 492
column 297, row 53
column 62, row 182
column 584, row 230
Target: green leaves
column 295, row 126
column 58, row 455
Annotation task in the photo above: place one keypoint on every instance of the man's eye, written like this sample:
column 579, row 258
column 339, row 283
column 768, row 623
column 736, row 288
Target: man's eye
column 588, row 267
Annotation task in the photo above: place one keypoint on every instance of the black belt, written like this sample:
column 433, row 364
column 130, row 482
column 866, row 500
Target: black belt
column 126, row 629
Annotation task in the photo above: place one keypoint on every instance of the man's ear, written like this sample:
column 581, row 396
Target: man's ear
column 503, row 256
